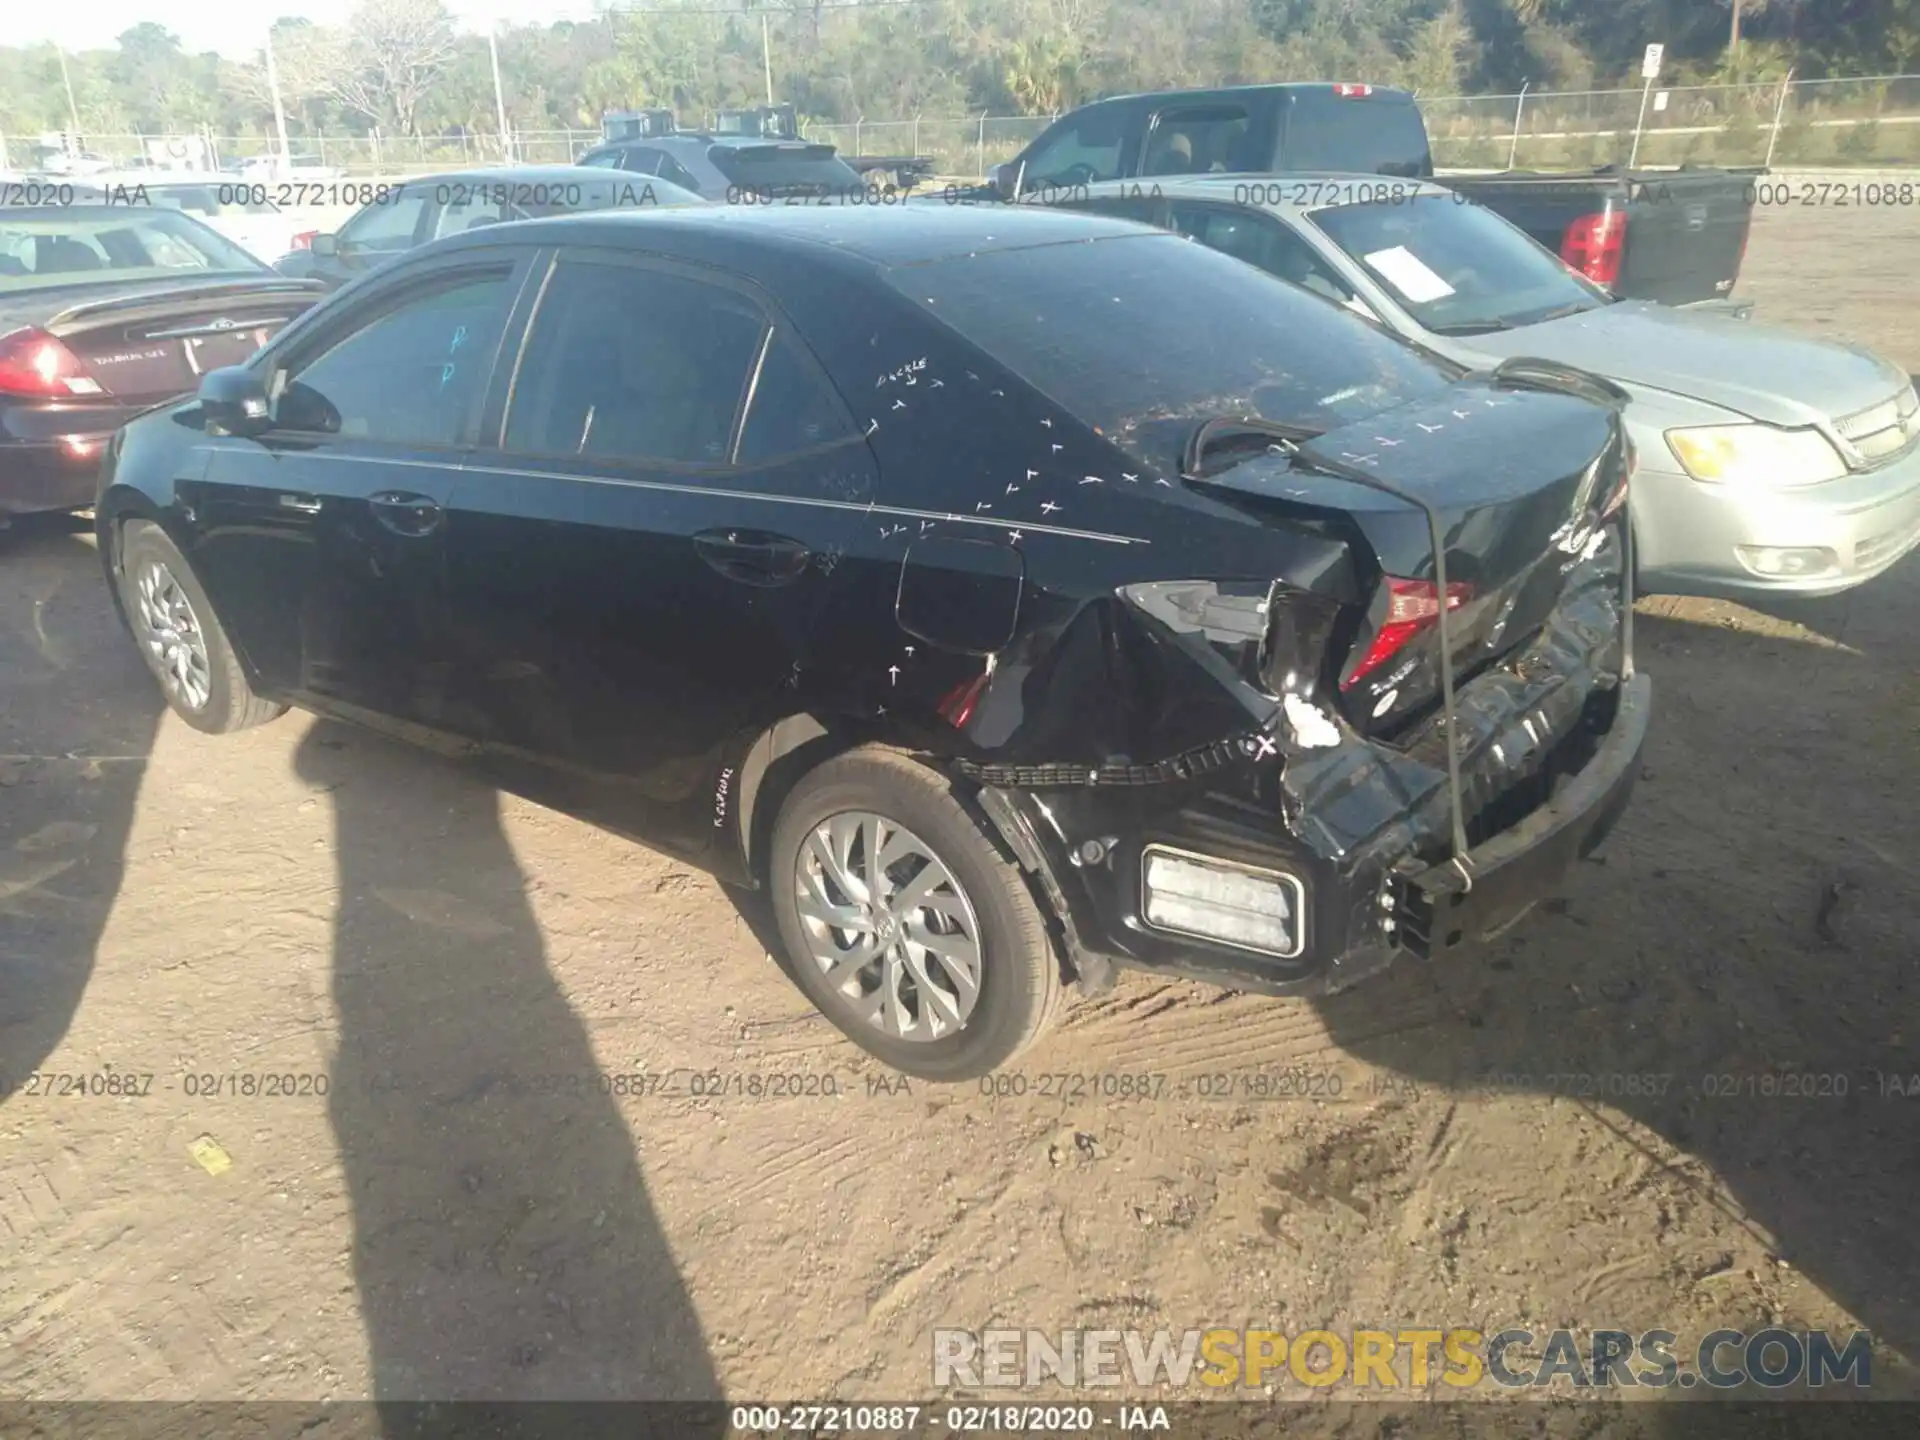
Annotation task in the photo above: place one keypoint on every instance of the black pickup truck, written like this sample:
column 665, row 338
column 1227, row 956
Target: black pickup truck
column 1674, row 236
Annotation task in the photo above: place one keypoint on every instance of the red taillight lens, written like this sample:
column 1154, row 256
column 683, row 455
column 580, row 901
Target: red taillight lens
column 1593, row 245
column 32, row 362
column 1413, row 607
column 1353, row 92
column 958, row 705
column 304, row 240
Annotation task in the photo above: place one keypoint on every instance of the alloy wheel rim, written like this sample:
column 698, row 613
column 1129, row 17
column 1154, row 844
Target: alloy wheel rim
column 175, row 644
column 889, row 927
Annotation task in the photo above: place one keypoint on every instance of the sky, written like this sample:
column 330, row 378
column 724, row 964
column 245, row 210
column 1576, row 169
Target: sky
column 235, row 28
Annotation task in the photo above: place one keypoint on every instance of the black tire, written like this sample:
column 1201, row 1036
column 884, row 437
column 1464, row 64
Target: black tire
column 1020, row 983
column 230, row 703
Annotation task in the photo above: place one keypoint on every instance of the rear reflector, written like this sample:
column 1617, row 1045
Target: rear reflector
column 1594, row 244
column 1217, row 900
column 32, row 362
column 1413, row 608
column 1353, row 92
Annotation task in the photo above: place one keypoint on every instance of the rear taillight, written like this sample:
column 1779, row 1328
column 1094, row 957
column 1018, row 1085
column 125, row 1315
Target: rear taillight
column 1353, row 92
column 1412, row 609
column 32, row 362
column 304, row 240
column 957, row 707
column 1594, row 244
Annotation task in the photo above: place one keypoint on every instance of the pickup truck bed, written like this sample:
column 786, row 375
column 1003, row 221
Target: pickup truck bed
column 1674, row 236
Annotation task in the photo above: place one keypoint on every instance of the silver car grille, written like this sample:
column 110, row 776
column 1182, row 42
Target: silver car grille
column 1880, row 432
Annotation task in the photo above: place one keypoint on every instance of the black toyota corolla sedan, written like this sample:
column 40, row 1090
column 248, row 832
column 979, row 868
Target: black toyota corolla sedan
column 1014, row 597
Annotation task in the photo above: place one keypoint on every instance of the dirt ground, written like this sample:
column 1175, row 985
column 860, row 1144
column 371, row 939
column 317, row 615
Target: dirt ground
column 463, row 1212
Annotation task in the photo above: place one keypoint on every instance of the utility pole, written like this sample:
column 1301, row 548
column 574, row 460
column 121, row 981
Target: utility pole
column 1733, row 39
column 279, row 110
column 499, row 99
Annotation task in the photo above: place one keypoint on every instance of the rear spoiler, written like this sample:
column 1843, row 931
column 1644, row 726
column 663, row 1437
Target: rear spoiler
column 143, row 299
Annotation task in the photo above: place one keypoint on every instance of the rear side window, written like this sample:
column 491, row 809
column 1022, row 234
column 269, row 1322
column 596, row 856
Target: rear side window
column 1201, row 140
column 1362, row 134
column 602, row 159
column 793, row 409
column 1261, row 241
column 625, row 363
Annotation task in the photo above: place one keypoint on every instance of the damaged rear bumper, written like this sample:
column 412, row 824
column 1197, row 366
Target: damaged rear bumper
column 1358, row 833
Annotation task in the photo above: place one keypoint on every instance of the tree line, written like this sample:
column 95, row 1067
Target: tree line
column 404, row 68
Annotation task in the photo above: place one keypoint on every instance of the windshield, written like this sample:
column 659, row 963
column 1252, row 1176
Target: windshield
column 779, row 167
column 43, row 249
column 1145, row 336
column 1456, row 267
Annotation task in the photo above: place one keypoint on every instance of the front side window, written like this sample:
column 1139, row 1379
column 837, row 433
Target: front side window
column 410, row 375
column 385, row 229
column 1085, row 149
column 625, row 363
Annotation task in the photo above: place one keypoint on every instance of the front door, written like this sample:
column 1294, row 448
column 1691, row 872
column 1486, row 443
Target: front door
column 637, row 571
column 321, row 541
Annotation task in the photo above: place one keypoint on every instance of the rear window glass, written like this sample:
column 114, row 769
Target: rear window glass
column 1145, row 336
column 71, row 247
column 1366, row 135
column 814, row 167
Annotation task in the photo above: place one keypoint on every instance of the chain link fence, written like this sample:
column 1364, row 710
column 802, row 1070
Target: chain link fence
column 1863, row 123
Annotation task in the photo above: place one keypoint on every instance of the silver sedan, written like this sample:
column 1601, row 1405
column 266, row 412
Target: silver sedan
column 1770, row 462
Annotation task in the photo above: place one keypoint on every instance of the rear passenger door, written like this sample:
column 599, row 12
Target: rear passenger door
column 638, row 558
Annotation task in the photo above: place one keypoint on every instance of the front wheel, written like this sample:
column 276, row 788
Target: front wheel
column 906, row 925
column 180, row 637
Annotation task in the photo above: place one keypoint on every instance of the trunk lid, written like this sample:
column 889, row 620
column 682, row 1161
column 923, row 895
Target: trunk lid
column 156, row 342
column 1520, row 479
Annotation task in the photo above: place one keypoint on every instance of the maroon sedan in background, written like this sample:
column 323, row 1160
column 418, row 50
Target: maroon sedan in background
column 107, row 310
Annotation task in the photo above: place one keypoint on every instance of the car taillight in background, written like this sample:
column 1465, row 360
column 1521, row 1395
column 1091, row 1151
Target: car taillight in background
column 1413, row 609
column 304, row 240
column 33, row 362
column 1594, row 244
column 1353, row 92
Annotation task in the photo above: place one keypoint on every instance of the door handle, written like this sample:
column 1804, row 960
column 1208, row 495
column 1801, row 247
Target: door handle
column 406, row 513
column 753, row 557
column 305, row 504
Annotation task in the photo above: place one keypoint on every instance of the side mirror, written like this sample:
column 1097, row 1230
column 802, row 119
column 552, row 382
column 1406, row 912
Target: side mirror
column 234, row 401
column 324, row 245
column 1002, row 178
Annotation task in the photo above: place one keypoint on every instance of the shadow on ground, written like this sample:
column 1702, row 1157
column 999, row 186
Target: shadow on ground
column 1753, row 919
column 504, row 1244
column 78, row 713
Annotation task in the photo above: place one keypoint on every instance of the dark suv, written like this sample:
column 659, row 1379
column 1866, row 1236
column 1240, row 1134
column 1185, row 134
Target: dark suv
column 732, row 168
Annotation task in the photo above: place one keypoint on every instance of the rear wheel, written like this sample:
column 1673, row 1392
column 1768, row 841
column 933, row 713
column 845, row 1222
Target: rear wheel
column 180, row 637
column 904, row 922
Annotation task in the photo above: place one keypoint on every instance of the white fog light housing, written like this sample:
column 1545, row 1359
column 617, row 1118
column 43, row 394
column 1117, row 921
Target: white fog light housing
column 1756, row 455
column 1218, row 900
column 1788, row 561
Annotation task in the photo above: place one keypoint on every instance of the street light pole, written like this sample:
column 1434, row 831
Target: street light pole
column 499, row 99
column 73, row 110
column 279, row 110
column 766, row 56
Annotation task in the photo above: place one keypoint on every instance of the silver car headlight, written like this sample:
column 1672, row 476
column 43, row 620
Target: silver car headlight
column 1755, row 455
